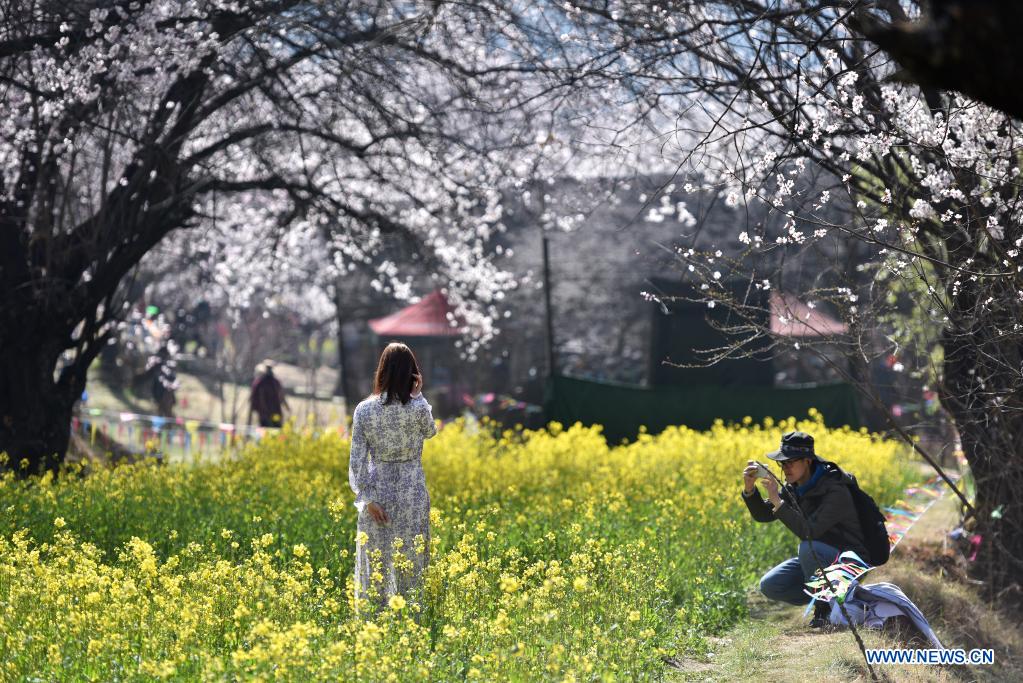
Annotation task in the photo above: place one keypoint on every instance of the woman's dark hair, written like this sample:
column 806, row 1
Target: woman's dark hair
column 395, row 373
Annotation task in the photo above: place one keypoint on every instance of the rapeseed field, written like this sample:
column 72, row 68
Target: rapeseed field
column 554, row 557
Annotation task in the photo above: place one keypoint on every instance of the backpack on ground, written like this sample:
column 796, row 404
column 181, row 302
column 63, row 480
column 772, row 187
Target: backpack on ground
column 872, row 522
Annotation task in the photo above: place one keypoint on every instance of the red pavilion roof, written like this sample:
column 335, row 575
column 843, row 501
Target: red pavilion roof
column 426, row 318
column 790, row 317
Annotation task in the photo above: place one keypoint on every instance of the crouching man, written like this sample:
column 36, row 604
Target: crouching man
column 816, row 505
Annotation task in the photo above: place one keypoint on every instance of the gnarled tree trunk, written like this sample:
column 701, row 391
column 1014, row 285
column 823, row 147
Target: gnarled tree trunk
column 35, row 408
column 983, row 394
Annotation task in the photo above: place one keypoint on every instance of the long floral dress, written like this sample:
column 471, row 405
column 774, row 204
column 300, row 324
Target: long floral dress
column 385, row 467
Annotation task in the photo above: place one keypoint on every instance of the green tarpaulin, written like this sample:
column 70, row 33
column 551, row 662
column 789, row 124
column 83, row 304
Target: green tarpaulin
column 622, row 408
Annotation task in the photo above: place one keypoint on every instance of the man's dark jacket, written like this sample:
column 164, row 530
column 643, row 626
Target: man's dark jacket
column 830, row 513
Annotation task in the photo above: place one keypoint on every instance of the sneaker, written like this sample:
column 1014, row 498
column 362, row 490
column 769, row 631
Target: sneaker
column 821, row 614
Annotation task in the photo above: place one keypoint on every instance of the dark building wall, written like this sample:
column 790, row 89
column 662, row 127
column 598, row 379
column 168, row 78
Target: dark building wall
column 602, row 261
column 688, row 333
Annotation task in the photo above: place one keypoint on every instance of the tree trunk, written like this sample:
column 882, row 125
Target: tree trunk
column 999, row 517
column 35, row 411
column 343, row 386
column 991, row 430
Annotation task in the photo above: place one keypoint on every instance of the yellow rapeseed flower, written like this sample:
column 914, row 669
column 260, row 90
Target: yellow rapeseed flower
column 513, row 567
column 509, row 584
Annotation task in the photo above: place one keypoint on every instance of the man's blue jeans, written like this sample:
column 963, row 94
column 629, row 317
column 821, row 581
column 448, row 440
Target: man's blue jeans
column 786, row 581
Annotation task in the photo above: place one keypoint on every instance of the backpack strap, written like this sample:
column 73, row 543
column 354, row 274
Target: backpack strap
column 833, row 467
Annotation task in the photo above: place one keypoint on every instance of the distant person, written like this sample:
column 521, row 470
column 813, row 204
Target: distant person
column 385, row 471
column 164, row 382
column 194, row 326
column 267, row 398
column 826, row 522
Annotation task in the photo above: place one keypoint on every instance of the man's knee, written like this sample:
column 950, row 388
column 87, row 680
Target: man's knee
column 770, row 588
column 767, row 588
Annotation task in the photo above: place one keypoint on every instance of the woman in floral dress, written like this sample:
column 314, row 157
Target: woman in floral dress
column 385, row 471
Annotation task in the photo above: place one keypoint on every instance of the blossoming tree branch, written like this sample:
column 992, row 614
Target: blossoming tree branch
column 359, row 123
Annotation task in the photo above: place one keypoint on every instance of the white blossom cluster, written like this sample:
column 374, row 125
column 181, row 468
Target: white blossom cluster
column 909, row 167
column 370, row 124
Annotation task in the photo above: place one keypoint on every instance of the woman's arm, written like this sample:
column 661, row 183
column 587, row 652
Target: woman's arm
column 424, row 416
column 424, row 412
column 358, row 464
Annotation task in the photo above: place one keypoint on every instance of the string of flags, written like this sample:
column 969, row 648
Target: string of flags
column 837, row 578
column 168, row 435
column 916, row 500
column 177, row 437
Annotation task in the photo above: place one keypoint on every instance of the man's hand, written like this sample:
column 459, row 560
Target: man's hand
column 749, row 477
column 771, row 486
column 377, row 513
